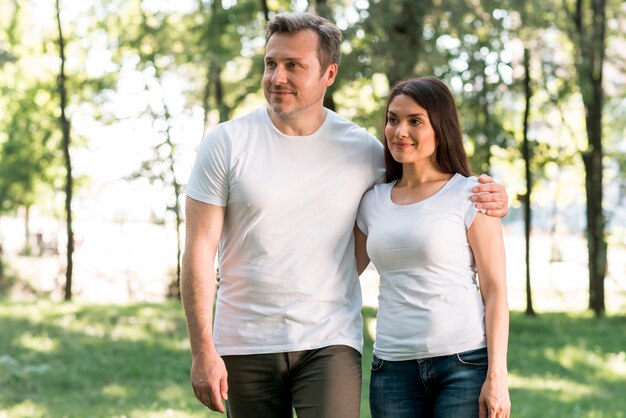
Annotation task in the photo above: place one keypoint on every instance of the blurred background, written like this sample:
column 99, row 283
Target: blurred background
column 102, row 106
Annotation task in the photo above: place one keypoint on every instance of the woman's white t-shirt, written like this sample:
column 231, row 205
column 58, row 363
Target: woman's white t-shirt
column 429, row 301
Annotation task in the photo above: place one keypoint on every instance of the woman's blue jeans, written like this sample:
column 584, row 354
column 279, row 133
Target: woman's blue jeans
column 437, row 387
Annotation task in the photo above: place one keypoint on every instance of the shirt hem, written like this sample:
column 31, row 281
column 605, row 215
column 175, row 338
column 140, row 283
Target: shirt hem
column 204, row 199
column 434, row 353
column 240, row 351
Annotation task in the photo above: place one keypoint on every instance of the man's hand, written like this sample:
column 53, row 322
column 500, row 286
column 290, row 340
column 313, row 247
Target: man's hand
column 209, row 380
column 491, row 196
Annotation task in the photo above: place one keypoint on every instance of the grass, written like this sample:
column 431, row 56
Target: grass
column 72, row 360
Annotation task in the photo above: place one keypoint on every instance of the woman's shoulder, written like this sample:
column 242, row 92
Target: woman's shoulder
column 376, row 193
column 382, row 190
column 461, row 179
column 463, row 183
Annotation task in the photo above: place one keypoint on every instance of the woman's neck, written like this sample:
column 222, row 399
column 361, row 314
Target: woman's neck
column 414, row 175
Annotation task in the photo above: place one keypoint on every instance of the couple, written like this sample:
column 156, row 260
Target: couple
column 277, row 192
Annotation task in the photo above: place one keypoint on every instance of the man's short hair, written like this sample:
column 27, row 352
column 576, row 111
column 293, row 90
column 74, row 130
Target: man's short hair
column 328, row 33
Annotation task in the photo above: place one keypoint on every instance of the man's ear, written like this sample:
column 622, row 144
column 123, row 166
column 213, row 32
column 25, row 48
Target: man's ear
column 331, row 74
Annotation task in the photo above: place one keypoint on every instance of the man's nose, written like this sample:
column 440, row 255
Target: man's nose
column 279, row 76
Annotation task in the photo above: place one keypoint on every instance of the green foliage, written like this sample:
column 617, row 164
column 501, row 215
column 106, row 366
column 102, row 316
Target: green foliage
column 31, row 161
column 133, row 360
column 5, row 56
column 566, row 365
column 227, row 48
column 27, row 151
column 380, row 40
column 471, row 40
column 463, row 43
column 29, row 136
column 71, row 360
column 213, row 51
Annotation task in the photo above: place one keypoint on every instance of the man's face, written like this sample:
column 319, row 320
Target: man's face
column 293, row 82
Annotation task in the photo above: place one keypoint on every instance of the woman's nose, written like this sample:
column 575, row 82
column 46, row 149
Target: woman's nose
column 401, row 130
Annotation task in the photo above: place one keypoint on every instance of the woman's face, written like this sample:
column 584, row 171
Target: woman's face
column 410, row 136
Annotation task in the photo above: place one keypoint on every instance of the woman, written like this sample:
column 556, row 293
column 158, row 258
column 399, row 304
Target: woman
column 441, row 335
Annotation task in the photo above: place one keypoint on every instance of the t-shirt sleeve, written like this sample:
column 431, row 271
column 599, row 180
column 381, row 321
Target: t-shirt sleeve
column 377, row 161
column 208, row 181
column 469, row 208
column 364, row 207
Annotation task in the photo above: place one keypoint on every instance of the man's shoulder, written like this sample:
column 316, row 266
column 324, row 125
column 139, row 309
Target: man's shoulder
column 339, row 121
column 340, row 124
column 240, row 126
column 254, row 118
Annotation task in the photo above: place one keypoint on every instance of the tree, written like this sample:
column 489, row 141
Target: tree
column 36, row 102
column 587, row 27
column 225, row 42
column 156, row 40
column 374, row 55
column 472, row 38
column 322, row 8
column 27, row 157
column 69, row 180
column 526, row 153
column 28, row 127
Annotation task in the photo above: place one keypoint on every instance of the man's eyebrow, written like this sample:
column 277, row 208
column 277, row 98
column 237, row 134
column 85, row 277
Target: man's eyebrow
column 270, row 58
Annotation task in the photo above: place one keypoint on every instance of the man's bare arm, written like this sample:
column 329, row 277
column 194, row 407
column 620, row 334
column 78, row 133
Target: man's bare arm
column 204, row 224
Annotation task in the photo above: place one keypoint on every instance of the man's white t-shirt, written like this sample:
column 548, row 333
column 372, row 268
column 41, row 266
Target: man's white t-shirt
column 288, row 280
column 429, row 303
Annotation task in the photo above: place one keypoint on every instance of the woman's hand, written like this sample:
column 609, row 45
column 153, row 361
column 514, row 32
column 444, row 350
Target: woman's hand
column 494, row 401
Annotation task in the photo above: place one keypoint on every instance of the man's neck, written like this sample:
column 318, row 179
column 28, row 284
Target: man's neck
column 302, row 124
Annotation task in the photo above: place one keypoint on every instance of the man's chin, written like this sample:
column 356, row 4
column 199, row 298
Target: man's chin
column 281, row 109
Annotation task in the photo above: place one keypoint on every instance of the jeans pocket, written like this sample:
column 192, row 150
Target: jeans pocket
column 377, row 363
column 473, row 358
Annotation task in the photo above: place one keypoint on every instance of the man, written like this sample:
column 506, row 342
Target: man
column 278, row 190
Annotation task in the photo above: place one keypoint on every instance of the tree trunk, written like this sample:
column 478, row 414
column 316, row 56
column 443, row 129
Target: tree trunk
column 223, row 110
column 1, row 264
column 206, row 97
column 407, row 30
column 65, row 127
column 28, row 249
column 266, row 10
column 591, row 45
column 321, row 8
column 213, row 86
column 489, row 131
column 171, row 163
column 526, row 152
